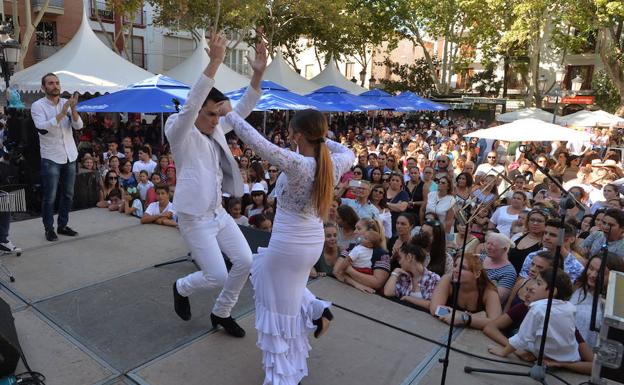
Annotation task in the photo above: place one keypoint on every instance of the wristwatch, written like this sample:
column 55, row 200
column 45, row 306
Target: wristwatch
column 466, row 318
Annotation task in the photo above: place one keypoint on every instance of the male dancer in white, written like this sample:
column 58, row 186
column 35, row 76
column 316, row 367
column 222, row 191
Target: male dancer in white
column 205, row 166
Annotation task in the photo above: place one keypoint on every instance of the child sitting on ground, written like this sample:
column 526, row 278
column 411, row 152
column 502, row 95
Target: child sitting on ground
column 161, row 212
column 261, row 222
column 144, row 185
column 235, row 208
column 561, row 343
column 131, row 203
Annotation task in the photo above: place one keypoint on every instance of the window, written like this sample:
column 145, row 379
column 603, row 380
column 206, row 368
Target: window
column 309, row 71
column 349, row 70
column 236, row 59
column 46, row 33
column 138, row 56
column 176, row 50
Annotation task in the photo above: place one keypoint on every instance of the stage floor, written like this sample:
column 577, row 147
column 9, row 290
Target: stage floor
column 94, row 310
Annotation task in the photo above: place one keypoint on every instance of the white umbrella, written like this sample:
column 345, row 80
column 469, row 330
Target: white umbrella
column 586, row 118
column 525, row 113
column 530, row 130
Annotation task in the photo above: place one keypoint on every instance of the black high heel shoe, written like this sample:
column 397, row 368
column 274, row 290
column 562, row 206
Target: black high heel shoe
column 322, row 324
column 228, row 324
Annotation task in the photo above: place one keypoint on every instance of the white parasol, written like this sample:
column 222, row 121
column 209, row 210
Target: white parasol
column 586, row 118
column 530, row 130
column 525, row 113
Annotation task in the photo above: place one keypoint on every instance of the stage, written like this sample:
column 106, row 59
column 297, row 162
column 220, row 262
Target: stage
column 94, row 310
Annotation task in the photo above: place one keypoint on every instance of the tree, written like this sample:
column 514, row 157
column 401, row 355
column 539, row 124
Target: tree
column 31, row 27
column 461, row 24
column 607, row 95
column 125, row 10
column 409, row 77
column 604, row 21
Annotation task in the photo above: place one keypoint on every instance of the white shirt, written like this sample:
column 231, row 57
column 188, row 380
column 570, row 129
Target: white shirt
column 139, row 166
column 503, row 220
column 58, row 143
column 119, row 155
column 561, row 343
column 487, row 169
column 143, row 187
column 361, row 257
column 154, row 209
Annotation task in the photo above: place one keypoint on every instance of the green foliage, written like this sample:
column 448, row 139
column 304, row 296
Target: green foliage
column 607, row 95
column 412, row 77
column 485, row 82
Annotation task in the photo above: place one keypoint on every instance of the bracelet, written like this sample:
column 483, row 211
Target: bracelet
column 394, row 274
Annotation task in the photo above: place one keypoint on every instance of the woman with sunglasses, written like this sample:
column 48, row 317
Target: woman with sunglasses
column 110, row 183
column 377, row 197
column 529, row 242
column 273, row 174
column 415, row 189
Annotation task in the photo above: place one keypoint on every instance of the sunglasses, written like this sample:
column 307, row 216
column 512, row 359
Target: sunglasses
column 379, row 191
column 491, row 157
column 272, row 170
column 357, row 172
column 385, row 179
column 112, row 178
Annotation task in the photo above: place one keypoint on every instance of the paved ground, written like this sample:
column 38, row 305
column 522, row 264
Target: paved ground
column 94, row 310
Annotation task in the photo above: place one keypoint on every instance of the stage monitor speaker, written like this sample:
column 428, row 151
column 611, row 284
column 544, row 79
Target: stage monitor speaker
column 9, row 344
column 608, row 367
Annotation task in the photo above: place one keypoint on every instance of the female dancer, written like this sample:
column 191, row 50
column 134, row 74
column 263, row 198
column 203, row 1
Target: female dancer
column 286, row 311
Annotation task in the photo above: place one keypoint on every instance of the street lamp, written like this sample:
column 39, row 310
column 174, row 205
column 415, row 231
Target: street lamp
column 559, row 76
column 372, row 82
column 577, row 82
column 10, row 50
column 541, row 83
column 362, row 76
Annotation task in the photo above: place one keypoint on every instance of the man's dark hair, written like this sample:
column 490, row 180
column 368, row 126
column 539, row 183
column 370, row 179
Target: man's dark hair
column 616, row 214
column 568, row 229
column 163, row 187
column 216, row 96
column 46, row 75
column 563, row 283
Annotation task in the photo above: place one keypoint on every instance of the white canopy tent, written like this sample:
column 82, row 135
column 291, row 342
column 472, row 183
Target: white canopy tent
column 530, row 130
column 330, row 76
column 189, row 71
column 525, row 113
column 586, row 118
column 85, row 64
column 281, row 73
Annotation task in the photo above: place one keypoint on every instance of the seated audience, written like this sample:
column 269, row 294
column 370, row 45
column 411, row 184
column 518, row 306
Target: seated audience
column 330, row 253
column 261, row 222
column 161, row 212
column 411, row 282
column 477, row 299
column 612, row 225
column 495, row 262
column 131, row 203
column 110, row 183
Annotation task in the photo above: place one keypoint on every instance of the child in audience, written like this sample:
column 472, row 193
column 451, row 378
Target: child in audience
column 161, row 212
column 261, row 222
column 412, row 282
column 360, row 256
column 584, row 294
column 150, row 196
column 144, row 185
column 114, row 199
column 234, row 208
column 561, row 343
column 258, row 199
column 131, row 203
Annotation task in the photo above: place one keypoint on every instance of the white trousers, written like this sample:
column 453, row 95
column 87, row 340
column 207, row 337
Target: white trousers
column 207, row 236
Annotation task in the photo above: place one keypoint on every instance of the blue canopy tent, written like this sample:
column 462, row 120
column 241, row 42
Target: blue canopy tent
column 276, row 97
column 152, row 95
column 421, row 103
column 381, row 98
column 336, row 99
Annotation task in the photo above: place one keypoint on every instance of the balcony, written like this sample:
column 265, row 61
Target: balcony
column 43, row 51
column 56, row 7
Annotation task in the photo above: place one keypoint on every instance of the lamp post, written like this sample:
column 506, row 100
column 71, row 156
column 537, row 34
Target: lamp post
column 559, row 75
column 10, row 51
column 372, row 83
column 362, row 76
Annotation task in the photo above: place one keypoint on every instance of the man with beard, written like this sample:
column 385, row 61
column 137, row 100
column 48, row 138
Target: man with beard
column 55, row 117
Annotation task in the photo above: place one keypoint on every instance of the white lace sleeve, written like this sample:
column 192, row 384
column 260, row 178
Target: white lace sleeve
column 342, row 158
column 284, row 159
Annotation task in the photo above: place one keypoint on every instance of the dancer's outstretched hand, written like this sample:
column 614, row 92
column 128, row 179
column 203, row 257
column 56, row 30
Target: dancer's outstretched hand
column 217, row 45
column 259, row 62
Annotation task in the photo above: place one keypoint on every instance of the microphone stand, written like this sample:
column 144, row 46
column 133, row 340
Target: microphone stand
column 538, row 371
column 456, row 286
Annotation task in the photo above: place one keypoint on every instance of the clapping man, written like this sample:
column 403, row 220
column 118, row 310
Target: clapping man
column 55, row 117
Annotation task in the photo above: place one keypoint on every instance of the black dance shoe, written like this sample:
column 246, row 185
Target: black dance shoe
column 51, row 236
column 322, row 324
column 181, row 304
column 67, row 231
column 228, row 324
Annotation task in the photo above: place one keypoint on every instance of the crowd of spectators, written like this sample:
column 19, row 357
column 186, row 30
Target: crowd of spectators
column 420, row 190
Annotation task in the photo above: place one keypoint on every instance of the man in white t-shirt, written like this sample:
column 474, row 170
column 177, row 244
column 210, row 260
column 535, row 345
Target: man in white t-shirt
column 145, row 162
column 491, row 167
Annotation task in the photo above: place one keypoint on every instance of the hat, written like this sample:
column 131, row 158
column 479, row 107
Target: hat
column 258, row 187
column 606, row 163
column 402, row 125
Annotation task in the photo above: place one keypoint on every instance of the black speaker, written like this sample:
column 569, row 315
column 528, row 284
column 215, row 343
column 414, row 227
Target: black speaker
column 9, row 344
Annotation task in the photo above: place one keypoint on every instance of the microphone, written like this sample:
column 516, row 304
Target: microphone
column 176, row 103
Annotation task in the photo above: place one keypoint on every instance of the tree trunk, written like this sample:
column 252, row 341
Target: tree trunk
column 432, row 71
column 30, row 29
column 612, row 66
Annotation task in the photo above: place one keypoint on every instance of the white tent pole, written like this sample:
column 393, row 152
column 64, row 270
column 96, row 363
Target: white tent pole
column 162, row 130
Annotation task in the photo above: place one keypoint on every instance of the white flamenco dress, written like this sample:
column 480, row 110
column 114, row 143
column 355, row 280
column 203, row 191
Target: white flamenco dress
column 285, row 308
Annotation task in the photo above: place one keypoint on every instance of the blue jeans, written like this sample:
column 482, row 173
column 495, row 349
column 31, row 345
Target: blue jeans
column 5, row 220
column 53, row 175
